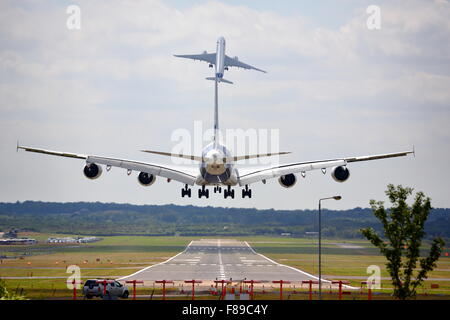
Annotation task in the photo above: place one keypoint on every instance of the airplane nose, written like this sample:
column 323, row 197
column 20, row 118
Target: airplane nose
column 215, row 164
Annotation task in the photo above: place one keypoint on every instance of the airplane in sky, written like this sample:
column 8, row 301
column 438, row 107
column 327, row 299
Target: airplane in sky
column 220, row 60
column 217, row 166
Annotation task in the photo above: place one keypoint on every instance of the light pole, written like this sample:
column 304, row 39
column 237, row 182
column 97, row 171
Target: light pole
column 320, row 241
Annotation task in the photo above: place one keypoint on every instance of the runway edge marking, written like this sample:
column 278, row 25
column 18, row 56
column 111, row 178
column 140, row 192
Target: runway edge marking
column 154, row 265
column 295, row 269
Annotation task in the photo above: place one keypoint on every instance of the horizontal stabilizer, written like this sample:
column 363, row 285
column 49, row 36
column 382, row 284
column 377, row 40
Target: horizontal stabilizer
column 184, row 156
column 252, row 156
column 219, row 80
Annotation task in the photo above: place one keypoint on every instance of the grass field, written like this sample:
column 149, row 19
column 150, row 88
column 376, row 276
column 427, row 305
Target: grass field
column 117, row 256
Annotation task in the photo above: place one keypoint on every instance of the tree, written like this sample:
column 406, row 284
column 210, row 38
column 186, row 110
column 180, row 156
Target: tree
column 404, row 229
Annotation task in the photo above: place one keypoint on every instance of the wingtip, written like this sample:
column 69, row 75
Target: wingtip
column 414, row 151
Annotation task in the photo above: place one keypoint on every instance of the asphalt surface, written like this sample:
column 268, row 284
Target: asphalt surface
column 212, row 259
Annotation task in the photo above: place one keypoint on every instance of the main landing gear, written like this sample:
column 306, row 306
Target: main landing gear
column 186, row 191
column 203, row 192
column 246, row 192
column 228, row 193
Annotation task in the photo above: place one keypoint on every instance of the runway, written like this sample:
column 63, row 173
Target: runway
column 211, row 259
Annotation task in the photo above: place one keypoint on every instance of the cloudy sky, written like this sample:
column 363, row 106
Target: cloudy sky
column 334, row 88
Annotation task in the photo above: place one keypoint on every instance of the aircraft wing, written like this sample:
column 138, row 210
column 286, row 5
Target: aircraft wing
column 281, row 170
column 207, row 57
column 233, row 62
column 178, row 174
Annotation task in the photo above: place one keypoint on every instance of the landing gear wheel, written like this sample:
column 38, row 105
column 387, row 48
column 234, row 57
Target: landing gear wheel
column 246, row 192
column 228, row 193
column 203, row 192
column 186, row 192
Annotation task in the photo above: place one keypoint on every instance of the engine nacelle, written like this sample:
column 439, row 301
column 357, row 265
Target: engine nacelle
column 146, row 179
column 287, row 180
column 92, row 171
column 340, row 174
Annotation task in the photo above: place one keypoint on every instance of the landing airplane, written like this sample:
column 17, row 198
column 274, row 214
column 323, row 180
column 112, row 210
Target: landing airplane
column 216, row 164
column 220, row 60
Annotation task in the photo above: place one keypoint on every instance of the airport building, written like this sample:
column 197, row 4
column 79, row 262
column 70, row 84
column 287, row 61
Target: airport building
column 11, row 241
column 73, row 240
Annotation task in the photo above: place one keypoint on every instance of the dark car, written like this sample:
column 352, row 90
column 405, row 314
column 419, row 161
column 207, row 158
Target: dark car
column 93, row 288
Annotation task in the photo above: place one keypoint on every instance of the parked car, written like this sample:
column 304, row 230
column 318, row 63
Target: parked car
column 114, row 289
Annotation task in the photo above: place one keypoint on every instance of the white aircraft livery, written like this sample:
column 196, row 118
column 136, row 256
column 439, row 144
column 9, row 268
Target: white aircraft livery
column 217, row 166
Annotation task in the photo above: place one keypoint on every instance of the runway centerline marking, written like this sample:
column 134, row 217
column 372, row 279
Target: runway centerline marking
column 221, row 267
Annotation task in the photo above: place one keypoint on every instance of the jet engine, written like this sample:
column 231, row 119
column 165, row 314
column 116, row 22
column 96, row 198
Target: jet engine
column 287, row 180
column 340, row 174
column 92, row 171
column 146, row 179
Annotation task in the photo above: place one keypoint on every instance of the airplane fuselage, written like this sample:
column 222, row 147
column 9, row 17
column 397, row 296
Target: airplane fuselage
column 220, row 57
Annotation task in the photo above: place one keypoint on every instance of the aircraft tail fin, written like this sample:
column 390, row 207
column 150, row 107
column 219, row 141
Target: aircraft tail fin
column 219, row 80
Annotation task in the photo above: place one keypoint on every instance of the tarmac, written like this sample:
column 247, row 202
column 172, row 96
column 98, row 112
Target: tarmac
column 219, row 259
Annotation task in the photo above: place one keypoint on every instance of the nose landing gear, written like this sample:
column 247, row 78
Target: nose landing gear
column 246, row 192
